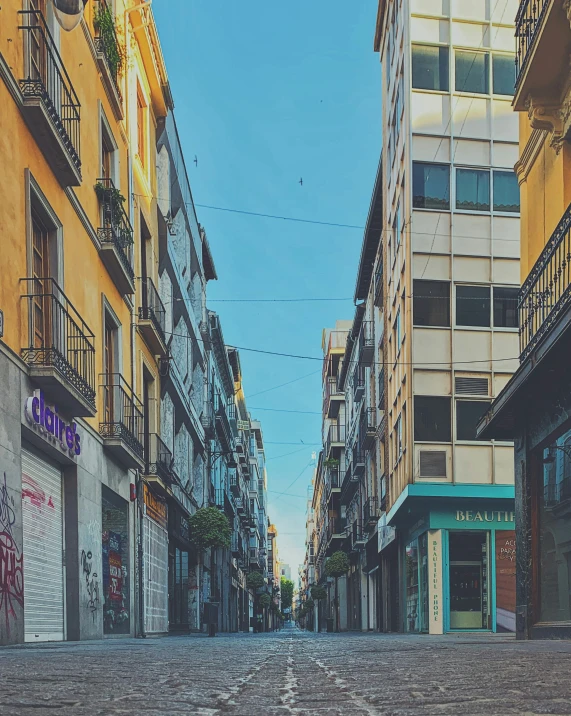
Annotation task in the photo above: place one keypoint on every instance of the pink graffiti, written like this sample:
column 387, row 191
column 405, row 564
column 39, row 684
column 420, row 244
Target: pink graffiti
column 32, row 491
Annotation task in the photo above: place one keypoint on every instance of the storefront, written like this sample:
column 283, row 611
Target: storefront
column 457, row 565
column 116, row 555
column 155, row 563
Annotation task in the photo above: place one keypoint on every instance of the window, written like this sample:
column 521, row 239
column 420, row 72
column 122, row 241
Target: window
column 505, row 307
column 41, row 318
column 398, row 226
column 472, row 190
column 109, row 361
column 431, row 186
column 432, row 421
column 141, row 128
column 472, row 72
column 472, row 305
column 506, row 192
column 398, row 438
column 431, row 303
column 430, row 68
column 398, row 335
column 503, row 74
column 468, row 415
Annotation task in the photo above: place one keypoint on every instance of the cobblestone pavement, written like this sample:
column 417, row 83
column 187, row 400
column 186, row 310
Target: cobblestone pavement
column 288, row 673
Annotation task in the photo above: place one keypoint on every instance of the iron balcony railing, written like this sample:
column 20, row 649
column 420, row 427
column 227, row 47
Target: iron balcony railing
column 115, row 226
column 122, row 412
column 547, row 290
column 106, row 40
column 331, row 389
column 336, row 435
column 368, row 423
column 47, row 80
column 152, row 308
column 58, row 336
column 358, row 383
column 357, row 533
column 527, row 24
column 366, row 342
column 158, row 459
column 224, row 411
column 336, row 526
column 371, row 511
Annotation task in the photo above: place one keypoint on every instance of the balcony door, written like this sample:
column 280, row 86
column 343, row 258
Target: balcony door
column 41, row 318
column 109, row 370
column 38, row 60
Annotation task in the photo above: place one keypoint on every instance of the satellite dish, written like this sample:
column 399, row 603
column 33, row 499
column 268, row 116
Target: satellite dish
column 69, row 12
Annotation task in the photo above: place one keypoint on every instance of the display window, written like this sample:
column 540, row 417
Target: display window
column 115, row 543
column 416, row 575
column 469, row 580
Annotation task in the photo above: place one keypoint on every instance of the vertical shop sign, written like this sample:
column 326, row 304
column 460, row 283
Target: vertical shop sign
column 435, row 592
column 505, row 580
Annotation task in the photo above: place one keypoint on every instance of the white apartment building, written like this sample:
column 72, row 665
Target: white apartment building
column 451, row 274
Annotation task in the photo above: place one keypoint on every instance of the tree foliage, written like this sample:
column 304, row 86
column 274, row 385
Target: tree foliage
column 337, row 565
column 255, row 580
column 104, row 24
column 287, row 592
column 318, row 593
column 265, row 601
column 209, row 528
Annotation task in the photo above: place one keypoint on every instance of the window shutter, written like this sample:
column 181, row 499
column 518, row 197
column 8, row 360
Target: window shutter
column 432, row 463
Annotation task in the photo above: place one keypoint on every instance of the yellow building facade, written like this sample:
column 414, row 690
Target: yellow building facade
column 84, row 328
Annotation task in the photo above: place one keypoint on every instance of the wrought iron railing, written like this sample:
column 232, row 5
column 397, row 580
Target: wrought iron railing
column 357, row 532
column 336, row 526
column 358, row 382
column 331, row 389
column 58, row 336
column 47, row 79
column 368, row 423
column 115, row 226
column 371, row 510
column 336, row 434
column 122, row 412
column 159, row 459
column 547, row 289
column 366, row 337
column 527, row 24
column 106, row 40
column 152, row 308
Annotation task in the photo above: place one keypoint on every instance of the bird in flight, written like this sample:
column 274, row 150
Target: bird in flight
column 195, row 160
column 301, row 181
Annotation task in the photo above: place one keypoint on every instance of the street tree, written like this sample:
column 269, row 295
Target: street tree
column 336, row 566
column 286, row 592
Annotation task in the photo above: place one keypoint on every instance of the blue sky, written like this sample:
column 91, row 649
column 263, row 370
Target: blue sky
column 266, row 93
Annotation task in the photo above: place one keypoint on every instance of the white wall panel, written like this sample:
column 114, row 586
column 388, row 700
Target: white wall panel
column 430, row 113
column 472, row 117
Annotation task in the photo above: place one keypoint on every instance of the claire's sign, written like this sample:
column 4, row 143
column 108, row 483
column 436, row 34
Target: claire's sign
column 46, row 421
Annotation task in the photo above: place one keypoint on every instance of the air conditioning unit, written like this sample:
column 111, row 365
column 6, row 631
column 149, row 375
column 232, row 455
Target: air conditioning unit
column 433, row 463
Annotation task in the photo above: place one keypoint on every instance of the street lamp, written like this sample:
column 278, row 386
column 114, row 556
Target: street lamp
column 69, row 13
column 550, row 457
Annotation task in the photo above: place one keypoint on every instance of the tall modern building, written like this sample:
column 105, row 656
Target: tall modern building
column 451, row 273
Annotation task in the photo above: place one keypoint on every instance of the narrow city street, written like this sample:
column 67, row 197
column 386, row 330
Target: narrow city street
column 290, row 672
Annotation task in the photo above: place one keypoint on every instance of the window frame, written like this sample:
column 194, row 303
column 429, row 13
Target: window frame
column 466, row 400
column 468, row 325
column 441, row 398
column 438, row 47
column 474, row 51
column 482, row 170
column 416, row 283
column 432, row 208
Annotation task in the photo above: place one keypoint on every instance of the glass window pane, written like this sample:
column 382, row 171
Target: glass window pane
column 411, row 559
column 468, row 415
column 432, row 419
column 472, row 305
column 472, row 190
column 506, row 192
column 503, row 74
column 431, row 186
column 505, row 307
column 431, row 304
column 430, row 68
column 472, row 72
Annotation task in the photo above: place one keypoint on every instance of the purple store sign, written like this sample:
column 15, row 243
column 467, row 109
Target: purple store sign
column 46, row 422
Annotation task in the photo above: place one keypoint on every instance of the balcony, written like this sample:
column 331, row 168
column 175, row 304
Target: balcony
column 50, row 105
column 60, row 353
column 368, row 428
column 152, row 318
column 122, row 425
column 358, row 462
column 207, row 421
column 545, row 296
column 371, row 512
column 335, row 439
column 235, row 488
column 255, row 558
column 358, row 536
column 159, row 463
column 336, row 529
column 366, row 343
column 236, row 544
column 542, row 47
column 240, row 506
column 224, row 415
column 116, row 237
column 334, row 398
column 109, row 54
column 358, row 383
column 223, row 501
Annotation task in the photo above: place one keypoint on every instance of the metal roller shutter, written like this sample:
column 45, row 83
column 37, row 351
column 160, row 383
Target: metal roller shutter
column 42, row 515
column 156, row 556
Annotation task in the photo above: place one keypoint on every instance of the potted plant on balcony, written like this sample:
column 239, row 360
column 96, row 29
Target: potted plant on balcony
column 104, row 24
column 336, row 566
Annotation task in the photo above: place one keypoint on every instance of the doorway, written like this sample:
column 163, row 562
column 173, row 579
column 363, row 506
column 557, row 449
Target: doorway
column 469, row 580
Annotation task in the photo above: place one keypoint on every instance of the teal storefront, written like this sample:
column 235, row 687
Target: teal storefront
column 457, row 557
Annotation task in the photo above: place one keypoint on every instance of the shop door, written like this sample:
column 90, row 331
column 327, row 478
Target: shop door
column 156, row 550
column 469, row 580
column 42, row 515
column 178, row 590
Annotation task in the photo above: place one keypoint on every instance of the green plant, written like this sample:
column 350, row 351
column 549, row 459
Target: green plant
column 113, row 198
column 331, row 462
column 209, row 528
column 255, row 580
column 309, row 604
column 318, row 593
column 287, row 592
column 104, row 24
column 336, row 566
column 265, row 601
